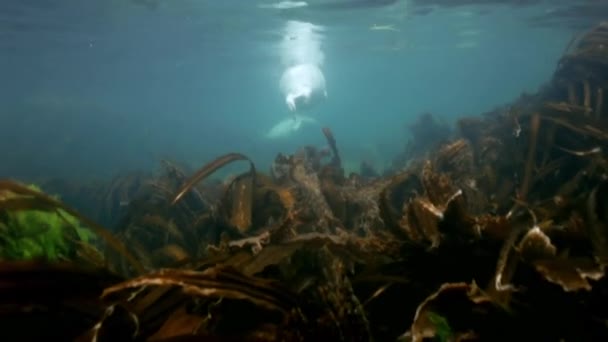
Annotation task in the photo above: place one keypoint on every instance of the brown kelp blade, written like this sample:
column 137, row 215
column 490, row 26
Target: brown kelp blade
column 214, row 282
column 239, row 198
column 35, row 200
column 24, row 203
column 208, row 169
column 331, row 140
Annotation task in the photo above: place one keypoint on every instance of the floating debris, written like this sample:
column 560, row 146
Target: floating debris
column 377, row 27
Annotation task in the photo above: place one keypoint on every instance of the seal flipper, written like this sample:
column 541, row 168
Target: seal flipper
column 291, row 102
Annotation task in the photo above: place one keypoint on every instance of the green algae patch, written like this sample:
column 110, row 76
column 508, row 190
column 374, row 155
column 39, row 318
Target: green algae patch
column 443, row 332
column 40, row 234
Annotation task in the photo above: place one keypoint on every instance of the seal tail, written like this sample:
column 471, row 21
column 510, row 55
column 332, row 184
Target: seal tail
column 291, row 102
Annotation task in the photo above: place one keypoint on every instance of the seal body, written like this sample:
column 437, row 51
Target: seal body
column 303, row 86
column 288, row 126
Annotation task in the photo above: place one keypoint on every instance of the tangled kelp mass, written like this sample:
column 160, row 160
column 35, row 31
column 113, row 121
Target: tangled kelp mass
column 498, row 234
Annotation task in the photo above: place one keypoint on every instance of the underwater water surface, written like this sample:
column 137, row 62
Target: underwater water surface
column 93, row 88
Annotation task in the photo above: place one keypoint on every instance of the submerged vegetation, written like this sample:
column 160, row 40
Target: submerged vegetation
column 33, row 234
column 499, row 233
